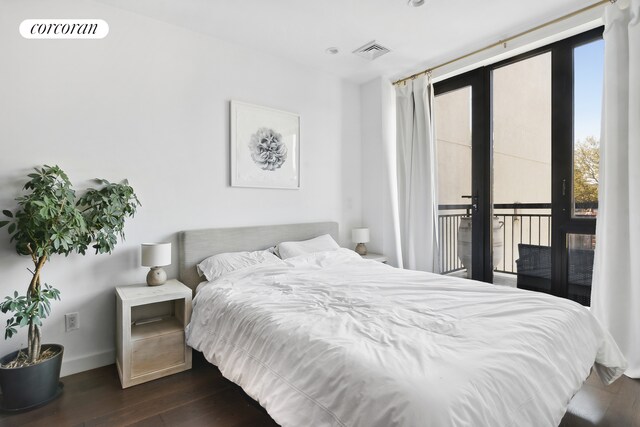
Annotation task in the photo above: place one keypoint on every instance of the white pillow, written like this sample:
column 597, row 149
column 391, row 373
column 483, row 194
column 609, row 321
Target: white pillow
column 217, row 265
column 317, row 244
column 326, row 258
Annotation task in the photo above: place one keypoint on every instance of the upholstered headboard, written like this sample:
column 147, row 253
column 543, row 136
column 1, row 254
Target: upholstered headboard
column 196, row 245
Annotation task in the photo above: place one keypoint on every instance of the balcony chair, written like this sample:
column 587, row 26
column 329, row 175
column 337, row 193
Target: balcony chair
column 534, row 271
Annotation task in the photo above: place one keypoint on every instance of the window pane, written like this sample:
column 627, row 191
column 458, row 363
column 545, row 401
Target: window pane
column 453, row 138
column 588, row 61
column 521, row 105
column 580, row 266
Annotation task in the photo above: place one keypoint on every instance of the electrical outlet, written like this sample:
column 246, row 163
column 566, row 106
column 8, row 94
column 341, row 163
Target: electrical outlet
column 71, row 322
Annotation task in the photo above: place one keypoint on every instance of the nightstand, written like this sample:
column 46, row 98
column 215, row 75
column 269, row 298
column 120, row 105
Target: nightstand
column 375, row 257
column 150, row 340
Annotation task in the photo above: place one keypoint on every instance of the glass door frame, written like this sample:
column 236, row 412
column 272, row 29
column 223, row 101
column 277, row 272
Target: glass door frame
column 562, row 135
column 563, row 222
column 481, row 249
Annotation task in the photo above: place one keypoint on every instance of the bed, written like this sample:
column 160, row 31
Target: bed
column 331, row 339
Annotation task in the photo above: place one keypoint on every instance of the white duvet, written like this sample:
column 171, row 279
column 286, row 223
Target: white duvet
column 333, row 340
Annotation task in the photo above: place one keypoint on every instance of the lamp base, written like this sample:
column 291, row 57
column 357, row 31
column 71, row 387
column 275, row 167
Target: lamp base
column 156, row 276
column 361, row 249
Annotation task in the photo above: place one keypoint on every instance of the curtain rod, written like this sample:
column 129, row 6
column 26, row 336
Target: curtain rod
column 505, row 41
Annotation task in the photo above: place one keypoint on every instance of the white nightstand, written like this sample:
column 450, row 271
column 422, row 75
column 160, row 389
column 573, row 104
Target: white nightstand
column 150, row 340
column 376, row 257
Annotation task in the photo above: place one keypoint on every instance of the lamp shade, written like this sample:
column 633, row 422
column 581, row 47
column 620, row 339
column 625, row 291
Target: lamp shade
column 360, row 235
column 155, row 254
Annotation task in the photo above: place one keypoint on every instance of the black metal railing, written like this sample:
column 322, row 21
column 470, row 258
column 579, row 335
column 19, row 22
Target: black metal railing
column 523, row 223
column 448, row 226
column 528, row 223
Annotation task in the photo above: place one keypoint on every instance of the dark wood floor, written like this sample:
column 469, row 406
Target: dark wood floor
column 617, row 405
column 198, row 397
column 202, row 397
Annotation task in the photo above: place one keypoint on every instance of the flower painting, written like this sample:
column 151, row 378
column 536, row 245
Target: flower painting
column 265, row 150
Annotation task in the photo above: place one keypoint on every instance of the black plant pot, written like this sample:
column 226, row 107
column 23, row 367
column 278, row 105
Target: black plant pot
column 31, row 386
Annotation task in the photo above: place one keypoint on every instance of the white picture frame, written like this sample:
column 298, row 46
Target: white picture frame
column 265, row 147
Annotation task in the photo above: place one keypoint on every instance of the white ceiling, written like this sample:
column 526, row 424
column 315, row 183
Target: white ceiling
column 301, row 30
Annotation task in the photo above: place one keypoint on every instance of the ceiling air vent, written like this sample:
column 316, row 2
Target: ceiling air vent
column 371, row 50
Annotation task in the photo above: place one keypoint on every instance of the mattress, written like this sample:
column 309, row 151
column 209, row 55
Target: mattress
column 330, row 339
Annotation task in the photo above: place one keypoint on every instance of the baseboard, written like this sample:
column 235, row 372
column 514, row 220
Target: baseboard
column 85, row 363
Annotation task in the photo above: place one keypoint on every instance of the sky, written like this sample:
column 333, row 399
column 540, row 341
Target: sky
column 588, row 63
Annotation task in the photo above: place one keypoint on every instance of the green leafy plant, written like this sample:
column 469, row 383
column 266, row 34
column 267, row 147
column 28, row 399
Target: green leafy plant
column 586, row 166
column 51, row 220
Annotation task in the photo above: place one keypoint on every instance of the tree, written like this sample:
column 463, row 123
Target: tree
column 51, row 220
column 586, row 167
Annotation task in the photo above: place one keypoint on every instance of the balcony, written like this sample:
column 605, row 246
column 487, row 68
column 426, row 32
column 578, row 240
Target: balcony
column 527, row 225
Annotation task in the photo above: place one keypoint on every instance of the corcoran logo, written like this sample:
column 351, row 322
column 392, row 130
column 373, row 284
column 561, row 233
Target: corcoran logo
column 64, row 29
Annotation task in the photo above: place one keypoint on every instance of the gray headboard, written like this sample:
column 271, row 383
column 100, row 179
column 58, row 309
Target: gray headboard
column 196, row 245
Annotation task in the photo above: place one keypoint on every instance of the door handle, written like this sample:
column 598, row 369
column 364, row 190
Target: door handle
column 474, row 202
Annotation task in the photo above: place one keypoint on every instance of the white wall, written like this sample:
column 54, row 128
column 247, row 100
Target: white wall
column 150, row 103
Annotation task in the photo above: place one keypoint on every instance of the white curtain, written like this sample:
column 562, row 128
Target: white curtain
column 416, row 169
column 391, row 228
column 616, row 281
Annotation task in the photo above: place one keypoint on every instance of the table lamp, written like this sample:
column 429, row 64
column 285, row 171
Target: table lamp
column 360, row 236
column 156, row 255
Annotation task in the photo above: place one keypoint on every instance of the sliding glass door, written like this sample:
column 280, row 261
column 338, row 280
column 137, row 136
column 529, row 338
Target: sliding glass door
column 462, row 172
column 521, row 144
column 518, row 151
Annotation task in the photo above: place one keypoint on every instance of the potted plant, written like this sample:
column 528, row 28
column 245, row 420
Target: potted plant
column 51, row 220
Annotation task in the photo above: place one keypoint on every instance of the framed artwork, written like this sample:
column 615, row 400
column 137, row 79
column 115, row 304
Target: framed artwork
column 265, row 147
